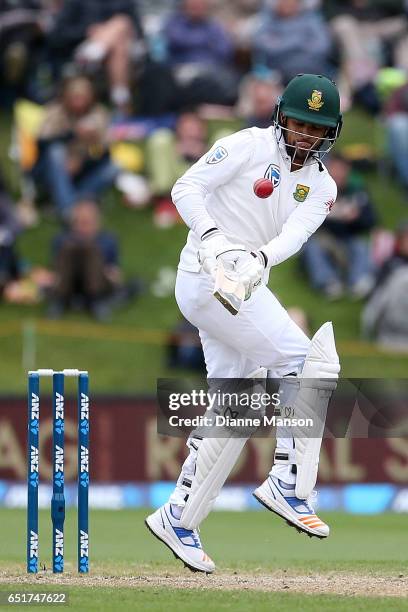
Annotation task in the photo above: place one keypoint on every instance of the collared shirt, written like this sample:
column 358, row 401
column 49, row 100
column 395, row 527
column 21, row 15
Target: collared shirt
column 218, row 192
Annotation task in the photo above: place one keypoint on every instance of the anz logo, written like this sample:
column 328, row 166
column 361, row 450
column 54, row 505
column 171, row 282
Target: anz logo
column 59, row 458
column 84, row 459
column 33, row 544
column 59, row 406
column 59, row 542
column 35, row 406
column 84, row 406
column 34, row 459
column 84, row 544
column 273, row 174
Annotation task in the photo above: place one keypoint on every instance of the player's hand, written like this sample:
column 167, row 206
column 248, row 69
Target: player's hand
column 216, row 247
column 250, row 268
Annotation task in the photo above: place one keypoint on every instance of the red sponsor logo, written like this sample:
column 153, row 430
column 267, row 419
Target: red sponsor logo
column 329, row 205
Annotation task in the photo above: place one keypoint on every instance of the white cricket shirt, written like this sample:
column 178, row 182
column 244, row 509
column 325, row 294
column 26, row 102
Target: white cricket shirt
column 217, row 191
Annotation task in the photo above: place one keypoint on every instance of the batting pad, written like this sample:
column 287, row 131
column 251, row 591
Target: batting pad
column 320, row 373
column 215, row 461
column 216, row 458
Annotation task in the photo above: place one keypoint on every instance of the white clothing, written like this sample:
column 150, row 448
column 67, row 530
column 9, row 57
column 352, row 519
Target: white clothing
column 217, row 191
column 261, row 334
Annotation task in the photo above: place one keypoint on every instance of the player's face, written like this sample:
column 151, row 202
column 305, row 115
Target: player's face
column 302, row 139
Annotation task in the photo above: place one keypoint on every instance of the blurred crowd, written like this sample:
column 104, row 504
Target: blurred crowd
column 125, row 94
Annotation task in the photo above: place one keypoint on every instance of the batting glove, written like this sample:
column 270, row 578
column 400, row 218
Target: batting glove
column 250, row 268
column 216, row 247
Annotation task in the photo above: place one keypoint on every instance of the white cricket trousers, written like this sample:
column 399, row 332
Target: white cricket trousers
column 261, row 334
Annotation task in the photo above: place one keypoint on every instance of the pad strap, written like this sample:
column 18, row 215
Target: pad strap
column 284, row 456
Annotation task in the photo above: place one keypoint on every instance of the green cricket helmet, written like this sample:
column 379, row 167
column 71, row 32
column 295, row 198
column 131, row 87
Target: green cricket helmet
column 314, row 99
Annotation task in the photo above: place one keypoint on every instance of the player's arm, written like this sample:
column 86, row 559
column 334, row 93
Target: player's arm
column 301, row 224
column 216, row 254
column 224, row 161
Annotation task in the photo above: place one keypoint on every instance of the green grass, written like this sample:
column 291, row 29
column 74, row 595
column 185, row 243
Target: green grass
column 243, row 545
column 197, row 600
column 237, row 541
column 119, row 355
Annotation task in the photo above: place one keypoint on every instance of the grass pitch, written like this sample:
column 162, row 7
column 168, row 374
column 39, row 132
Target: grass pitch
column 262, row 564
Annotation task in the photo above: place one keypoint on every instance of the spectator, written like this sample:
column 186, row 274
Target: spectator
column 153, row 7
column 240, row 19
column 184, row 347
column 86, row 263
column 368, row 32
column 259, row 92
column 396, row 112
column 341, row 242
column 158, row 92
column 292, row 39
column 153, row 14
column 385, row 315
column 19, row 283
column 74, row 160
column 201, row 53
column 9, row 229
column 97, row 31
column 21, row 42
column 169, row 155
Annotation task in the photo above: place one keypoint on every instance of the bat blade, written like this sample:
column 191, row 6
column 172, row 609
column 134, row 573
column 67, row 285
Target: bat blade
column 229, row 291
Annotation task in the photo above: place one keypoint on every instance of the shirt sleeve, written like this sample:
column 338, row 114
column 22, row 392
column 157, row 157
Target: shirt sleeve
column 224, row 161
column 302, row 223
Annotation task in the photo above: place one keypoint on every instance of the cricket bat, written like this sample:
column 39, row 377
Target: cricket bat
column 228, row 290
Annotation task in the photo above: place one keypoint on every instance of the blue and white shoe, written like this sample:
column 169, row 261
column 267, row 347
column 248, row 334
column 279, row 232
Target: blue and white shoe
column 280, row 498
column 184, row 543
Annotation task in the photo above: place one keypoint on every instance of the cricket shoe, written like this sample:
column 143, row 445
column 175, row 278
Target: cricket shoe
column 184, row 543
column 280, row 498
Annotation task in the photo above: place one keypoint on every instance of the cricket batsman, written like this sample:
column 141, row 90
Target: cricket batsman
column 238, row 232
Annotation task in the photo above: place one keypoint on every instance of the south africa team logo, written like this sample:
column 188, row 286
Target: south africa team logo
column 315, row 101
column 301, row 193
column 273, row 174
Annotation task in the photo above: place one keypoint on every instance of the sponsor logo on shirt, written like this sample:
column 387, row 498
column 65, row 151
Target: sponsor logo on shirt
column 301, row 193
column 273, row 174
column 329, row 205
column 216, row 156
